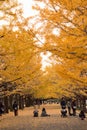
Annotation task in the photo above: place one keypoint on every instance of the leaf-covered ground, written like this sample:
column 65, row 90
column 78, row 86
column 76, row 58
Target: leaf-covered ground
column 26, row 121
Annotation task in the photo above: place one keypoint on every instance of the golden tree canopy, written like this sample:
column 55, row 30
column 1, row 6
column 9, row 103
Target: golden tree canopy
column 64, row 30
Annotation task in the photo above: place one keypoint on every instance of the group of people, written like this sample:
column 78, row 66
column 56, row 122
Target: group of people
column 15, row 110
column 71, row 107
column 43, row 113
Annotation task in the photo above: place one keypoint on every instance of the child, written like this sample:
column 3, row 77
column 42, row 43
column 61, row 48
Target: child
column 63, row 113
column 35, row 112
column 82, row 115
column 43, row 114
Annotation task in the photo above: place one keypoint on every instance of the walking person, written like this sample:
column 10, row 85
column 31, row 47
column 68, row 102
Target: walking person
column 15, row 108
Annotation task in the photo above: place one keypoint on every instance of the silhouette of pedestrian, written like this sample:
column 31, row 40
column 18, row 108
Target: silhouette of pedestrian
column 63, row 103
column 15, row 108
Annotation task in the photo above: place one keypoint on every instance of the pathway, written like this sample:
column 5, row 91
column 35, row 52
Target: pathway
column 26, row 121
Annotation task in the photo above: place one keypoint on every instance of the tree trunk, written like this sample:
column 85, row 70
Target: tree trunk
column 6, row 104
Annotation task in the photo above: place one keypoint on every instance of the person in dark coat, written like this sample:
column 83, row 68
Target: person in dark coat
column 63, row 103
column 82, row 115
column 1, row 108
column 15, row 108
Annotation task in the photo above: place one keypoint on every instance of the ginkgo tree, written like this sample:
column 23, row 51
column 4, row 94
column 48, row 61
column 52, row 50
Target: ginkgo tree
column 63, row 26
column 20, row 60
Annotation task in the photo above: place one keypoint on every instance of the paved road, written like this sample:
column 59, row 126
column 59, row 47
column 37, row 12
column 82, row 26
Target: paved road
column 26, row 121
